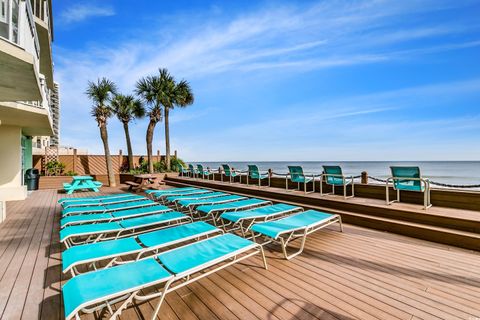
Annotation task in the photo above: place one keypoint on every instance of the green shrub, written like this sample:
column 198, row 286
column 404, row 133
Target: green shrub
column 71, row 173
column 54, row 168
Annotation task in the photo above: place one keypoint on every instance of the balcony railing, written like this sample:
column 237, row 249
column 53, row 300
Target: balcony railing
column 45, row 102
column 17, row 25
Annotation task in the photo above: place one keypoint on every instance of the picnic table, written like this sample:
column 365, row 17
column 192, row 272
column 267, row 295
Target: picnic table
column 141, row 181
column 82, row 183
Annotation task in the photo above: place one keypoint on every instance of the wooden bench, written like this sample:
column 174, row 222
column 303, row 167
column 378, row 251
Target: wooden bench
column 132, row 185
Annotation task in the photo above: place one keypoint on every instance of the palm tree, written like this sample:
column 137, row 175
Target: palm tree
column 182, row 97
column 150, row 88
column 101, row 94
column 127, row 108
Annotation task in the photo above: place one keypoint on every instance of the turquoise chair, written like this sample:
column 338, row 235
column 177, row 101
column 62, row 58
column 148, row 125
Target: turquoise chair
column 297, row 176
column 204, row 172
column 230, row 173
column 183, row 171
column 131, row 248
column 300, row 225
column 408, row 179
column 193, row 171
column 212, row 212
column 254, row 173
column 333, row 176
column 122, row 285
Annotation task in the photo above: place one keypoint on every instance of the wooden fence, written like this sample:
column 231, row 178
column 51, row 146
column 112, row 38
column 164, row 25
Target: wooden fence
column 91, row 164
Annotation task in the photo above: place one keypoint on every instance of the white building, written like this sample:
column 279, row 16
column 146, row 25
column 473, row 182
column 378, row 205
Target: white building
column 26, row 83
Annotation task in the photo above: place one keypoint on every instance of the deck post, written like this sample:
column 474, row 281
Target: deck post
column 364, row 177
column 158, row 156
column 74, row 169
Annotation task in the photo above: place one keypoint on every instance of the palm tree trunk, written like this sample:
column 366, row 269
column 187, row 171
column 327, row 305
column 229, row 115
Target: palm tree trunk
column 150, row 129
column 108, row 159
column 129, row 146
column 167, row 139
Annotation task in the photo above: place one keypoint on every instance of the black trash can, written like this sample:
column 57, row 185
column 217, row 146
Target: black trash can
column 32, row 176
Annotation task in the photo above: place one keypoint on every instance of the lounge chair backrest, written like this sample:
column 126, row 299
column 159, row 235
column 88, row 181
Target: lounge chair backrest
column 333, row 170
column 406, row 172
column 227, row 170
column 253, row 171
column 182, row 169
column 200, row 168
column 296, row 173
column 191, row 168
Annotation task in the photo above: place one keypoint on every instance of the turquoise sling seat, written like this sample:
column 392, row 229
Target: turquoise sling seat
column 275, row 228
column 108, row 207
column 107, row 196
column 297, row 176
column 402, row 181
column 237, row 205
column 299, row 225
column 198, row 196
column 89, row 229
column 204, row 172
column 192, row 170
column 254, row 173
column 260, row 213
column 196, row 254
column 142, row 222
column 91, row 252
column 180, row 193
column 199, row 202
column 141, row 244
column 183, row 171
column 333, row 175
column 89, row 288
column 230, row 173
column 169, row 190
column 84, row 203
column 67, row 201
column 115, row 215
column 102, row 230
column 182, row 265
column 408, row 178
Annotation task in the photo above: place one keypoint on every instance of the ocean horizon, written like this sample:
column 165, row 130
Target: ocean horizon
column 449, row 172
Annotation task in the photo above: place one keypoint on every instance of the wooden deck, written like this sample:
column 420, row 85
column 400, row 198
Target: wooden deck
column 358, row 274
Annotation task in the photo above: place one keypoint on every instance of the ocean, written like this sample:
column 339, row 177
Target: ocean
column 449, row 172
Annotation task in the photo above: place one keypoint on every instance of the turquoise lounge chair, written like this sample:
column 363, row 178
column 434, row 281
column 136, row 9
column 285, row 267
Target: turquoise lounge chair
column 299, row 225
column 243, row 220
column 175, row 199
column 86, row 203
column 95, row 232
column 120, row 251
column 297, row 176
column 166, row 272
column 254, row 173
column 171, row 190
column 204, row 172
column 182, row 171
column 408, row 179
column 93, row 198
column 193, row 171
column 163, row 197
column 112, row 216
column 212, row 212
column 189, row 205
column 333, row 176
column 108, row 207
column 230, row 173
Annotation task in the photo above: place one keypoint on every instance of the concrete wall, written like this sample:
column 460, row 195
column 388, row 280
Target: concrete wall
column 11, row 164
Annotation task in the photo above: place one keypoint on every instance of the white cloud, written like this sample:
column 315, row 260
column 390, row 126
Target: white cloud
column 81, row 12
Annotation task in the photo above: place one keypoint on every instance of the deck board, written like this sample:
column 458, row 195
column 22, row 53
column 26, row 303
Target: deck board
column 358, row 274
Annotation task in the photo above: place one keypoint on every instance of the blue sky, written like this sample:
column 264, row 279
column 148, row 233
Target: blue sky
column 282, row 80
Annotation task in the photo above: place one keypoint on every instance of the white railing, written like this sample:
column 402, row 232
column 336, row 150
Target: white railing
column 18, row 26
column 45, row 102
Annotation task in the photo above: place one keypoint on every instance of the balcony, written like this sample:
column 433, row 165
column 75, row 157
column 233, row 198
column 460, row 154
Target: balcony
column 42, row 15
column 19, row 52
column 33, row 116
